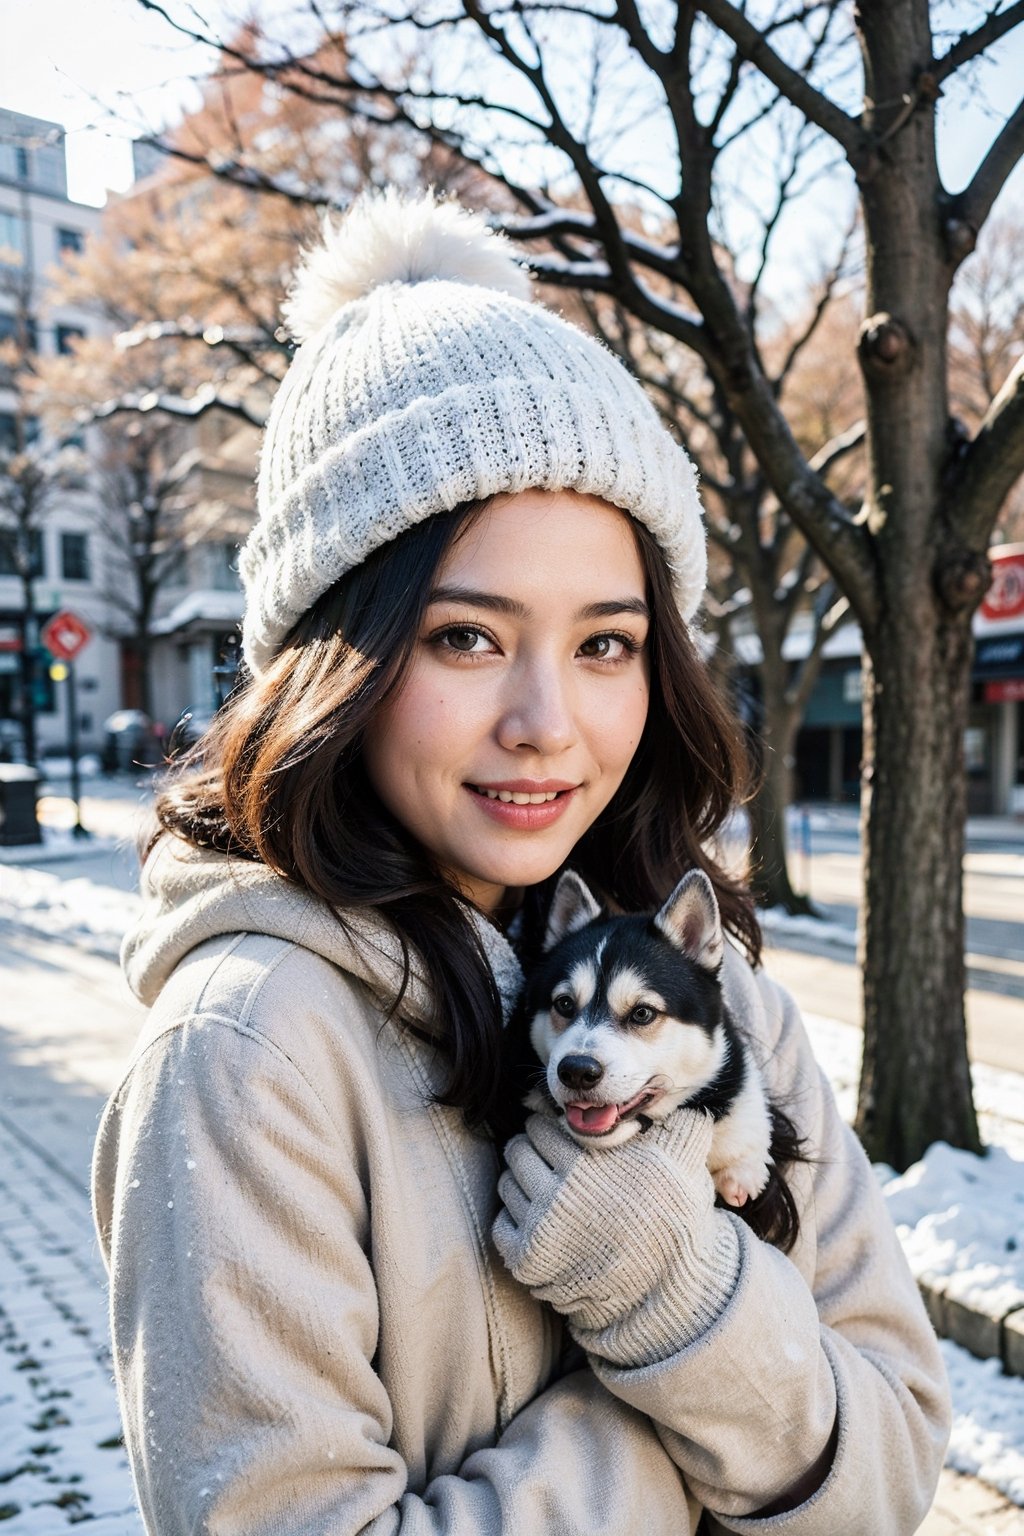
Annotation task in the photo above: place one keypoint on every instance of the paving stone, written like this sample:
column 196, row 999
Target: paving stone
column 966, row 1499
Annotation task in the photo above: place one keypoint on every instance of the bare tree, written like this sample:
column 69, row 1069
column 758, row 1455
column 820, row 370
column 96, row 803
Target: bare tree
column 710, row 80
column 150, row 514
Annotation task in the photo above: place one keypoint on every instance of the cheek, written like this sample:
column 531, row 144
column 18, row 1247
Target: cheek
column 617, row 724
column 413, row 731
column 687, row 1053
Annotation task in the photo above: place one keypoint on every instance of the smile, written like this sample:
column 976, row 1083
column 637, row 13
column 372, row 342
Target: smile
column 516, row 797
column 588, row 1119
column 519, row 809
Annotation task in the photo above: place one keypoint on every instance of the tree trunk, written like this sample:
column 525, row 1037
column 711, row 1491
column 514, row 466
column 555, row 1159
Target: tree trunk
column 915, row 1085
column 29, row 646
column 769, row 860
column 915, row 1082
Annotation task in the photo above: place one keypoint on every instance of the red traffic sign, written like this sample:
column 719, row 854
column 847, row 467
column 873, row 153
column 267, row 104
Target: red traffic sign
column 65, row 635
column 1005, row 597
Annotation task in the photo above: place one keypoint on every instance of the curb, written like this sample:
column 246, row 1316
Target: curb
column 988, row 1336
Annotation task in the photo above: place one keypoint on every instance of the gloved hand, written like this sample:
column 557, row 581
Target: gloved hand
column 625, row 1241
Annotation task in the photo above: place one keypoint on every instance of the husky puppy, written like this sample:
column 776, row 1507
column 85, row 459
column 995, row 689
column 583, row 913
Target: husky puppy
column 627, row 1017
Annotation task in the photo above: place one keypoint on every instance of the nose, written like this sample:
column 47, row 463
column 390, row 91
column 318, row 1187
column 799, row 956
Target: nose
column 538, row 710
column 580, row 1071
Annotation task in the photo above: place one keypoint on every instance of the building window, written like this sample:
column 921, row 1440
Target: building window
column 74, row 556
column 9, row 442
column 10, row 327
column 10, row 538
column 66, row 335
column 12, row 238
column 19, row 332
column 69, row 240
column 222, row 565
column 21, row 163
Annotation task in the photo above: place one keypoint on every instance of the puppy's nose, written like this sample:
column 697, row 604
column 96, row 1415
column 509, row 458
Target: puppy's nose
column 580, row 1071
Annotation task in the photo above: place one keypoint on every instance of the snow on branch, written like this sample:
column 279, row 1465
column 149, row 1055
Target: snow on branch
column 205, row 399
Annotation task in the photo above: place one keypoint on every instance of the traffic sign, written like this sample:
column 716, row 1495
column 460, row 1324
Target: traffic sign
column 65, row 635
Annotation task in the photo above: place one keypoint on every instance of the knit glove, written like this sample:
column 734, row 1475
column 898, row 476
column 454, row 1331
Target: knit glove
column 625, row 1241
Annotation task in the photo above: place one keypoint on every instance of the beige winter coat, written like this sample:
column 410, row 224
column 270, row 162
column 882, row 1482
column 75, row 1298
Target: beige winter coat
column 312, row 1330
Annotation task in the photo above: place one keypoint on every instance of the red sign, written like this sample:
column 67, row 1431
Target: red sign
column 1005, row 690
column 65, row 635
column 1005, row 597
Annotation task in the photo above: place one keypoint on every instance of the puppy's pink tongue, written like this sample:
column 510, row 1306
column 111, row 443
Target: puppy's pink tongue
column 595, row 1119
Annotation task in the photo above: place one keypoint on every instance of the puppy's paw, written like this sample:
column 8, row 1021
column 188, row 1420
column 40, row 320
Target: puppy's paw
column 740, row 1182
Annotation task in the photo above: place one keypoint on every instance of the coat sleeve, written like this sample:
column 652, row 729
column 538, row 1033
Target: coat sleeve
column 834, row 1342
column 245, row 1323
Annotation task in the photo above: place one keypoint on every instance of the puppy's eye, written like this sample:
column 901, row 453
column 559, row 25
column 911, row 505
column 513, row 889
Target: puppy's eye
column 563, row 1005
column 643, row 1013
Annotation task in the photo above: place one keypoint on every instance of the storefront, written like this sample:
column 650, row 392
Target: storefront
column 994, row 748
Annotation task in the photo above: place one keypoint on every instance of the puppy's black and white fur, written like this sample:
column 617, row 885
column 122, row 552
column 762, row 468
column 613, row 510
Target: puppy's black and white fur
column 626, row 1015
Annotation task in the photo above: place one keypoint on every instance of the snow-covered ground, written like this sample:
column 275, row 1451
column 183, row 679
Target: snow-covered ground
column 960, row 1217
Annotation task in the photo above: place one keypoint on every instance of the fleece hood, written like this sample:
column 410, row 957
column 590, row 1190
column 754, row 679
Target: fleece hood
column 193, row 894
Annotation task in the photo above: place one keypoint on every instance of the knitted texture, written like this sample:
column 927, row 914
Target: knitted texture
column 428, row 383
column 625, row 1241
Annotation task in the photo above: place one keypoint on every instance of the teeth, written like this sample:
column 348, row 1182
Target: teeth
column 517, row 798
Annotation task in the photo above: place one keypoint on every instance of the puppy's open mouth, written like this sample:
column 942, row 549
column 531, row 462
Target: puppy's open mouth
column 599, row 1119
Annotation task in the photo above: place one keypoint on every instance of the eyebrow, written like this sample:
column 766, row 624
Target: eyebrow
column 509, row 606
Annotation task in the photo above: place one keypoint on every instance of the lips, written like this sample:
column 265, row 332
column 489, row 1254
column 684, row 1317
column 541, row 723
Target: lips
column 526, row 805
column 598, row 1119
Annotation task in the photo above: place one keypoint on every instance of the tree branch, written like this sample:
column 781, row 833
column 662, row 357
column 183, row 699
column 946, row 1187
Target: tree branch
column 973, row 205
column 991, row 465
column 752, row 44
column 970, row 44
column 205, row 399
column 838, row 448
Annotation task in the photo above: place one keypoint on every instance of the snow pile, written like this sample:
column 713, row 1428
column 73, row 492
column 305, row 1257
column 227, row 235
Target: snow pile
column 779, row 925
column 79, row 910
column 960, row 1219
column 988, row 1422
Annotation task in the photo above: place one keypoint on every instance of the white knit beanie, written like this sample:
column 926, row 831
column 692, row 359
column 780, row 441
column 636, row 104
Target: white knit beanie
column 426, row 378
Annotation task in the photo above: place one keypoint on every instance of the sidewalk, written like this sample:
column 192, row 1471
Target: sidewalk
column 62, row 1460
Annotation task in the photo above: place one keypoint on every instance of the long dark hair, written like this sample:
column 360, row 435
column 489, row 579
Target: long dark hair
column 280, row 778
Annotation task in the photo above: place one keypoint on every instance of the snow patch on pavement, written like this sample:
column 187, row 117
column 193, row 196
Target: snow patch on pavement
column 961, row 1220
column 988, row 1422
column 77, row 910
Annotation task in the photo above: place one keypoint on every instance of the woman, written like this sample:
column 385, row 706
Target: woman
column 466, row 604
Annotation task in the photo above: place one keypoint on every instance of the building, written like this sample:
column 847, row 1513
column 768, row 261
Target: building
column 830, row 743
column 196, row 631
column 38, row 223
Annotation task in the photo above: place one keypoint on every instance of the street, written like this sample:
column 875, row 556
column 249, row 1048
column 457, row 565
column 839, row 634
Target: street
column 820, row 968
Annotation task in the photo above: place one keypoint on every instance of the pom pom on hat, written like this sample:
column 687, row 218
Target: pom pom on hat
column 386, row 238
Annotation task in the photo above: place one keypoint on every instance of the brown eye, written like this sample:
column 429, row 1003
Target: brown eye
column 643, row 1013
column 461, row 639
column 563, row 1005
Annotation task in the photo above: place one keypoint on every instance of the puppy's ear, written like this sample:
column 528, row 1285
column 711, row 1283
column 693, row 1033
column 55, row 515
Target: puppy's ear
column 572, row 907
column 689, row 920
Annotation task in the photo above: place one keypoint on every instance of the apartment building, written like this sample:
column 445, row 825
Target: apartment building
column 38, row 224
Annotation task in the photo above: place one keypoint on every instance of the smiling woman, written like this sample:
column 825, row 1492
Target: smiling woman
column 470, row 668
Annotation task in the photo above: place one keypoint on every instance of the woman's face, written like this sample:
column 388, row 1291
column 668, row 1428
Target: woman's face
column 527, row 692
